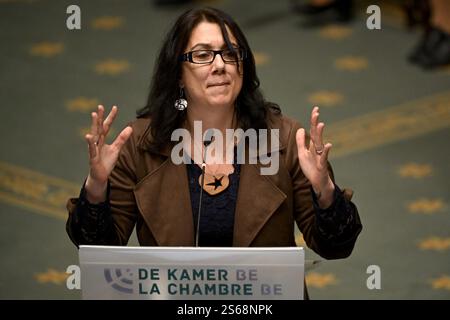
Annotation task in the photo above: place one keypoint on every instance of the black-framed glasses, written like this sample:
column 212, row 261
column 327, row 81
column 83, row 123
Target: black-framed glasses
column 205, row 56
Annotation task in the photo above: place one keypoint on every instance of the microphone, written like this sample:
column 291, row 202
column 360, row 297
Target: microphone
column 209, row 138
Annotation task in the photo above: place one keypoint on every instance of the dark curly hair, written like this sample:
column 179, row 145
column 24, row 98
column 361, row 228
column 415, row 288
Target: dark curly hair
column 251, row 107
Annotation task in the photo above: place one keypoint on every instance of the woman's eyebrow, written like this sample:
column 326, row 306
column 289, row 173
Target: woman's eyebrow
column 201, row 45
column 208, row 46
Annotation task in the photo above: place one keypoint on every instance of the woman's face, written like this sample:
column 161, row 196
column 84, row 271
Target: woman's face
column 216, row 84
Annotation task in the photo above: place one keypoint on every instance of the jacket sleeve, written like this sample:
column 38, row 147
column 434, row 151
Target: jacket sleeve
column 330, row 232
column 111, row 222
column 90, row 224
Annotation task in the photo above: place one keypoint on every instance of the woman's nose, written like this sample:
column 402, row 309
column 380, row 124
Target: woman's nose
column 218, row 61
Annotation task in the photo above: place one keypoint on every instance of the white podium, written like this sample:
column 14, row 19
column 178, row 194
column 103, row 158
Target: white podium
column 187, row 273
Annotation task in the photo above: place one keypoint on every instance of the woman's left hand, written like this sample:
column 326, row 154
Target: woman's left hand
column 313, row 159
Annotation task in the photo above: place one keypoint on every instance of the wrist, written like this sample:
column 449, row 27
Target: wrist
column 95, row 190
column 323, row 187
column 325, row 193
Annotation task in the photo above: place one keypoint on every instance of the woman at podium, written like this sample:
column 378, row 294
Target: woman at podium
column 209, row 161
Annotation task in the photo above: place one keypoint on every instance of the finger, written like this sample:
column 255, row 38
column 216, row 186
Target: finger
column 300, row 138
column 314, row 121
column 94, row 126
column 91, row 145
column 324, row 156
column 314, row 116
column 101, row 112
column 319, row 137
column 109, row 120
column 122, row 138
column 100, row 141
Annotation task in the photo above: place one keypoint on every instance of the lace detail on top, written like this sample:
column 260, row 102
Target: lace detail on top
column 336, row 224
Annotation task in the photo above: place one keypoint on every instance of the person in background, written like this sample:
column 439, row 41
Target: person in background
column 433, row 49
column 325, row 11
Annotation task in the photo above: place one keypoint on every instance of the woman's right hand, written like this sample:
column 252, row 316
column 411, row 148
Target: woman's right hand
column 102, row 156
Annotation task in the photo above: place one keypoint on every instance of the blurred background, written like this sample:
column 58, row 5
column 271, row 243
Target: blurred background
column 384, row 95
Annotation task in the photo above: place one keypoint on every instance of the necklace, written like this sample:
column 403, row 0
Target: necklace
column 215, row 182
column 216, row 177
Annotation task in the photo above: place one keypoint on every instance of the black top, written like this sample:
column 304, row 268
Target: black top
column 217, row 215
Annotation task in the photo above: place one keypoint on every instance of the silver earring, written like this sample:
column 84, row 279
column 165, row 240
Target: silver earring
column 181, row 103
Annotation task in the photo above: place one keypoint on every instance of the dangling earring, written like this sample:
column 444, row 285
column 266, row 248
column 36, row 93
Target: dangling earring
column 181, row 103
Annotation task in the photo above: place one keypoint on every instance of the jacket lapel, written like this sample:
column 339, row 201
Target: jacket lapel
column 163, row 199
column 258, row 196
column 258, row 199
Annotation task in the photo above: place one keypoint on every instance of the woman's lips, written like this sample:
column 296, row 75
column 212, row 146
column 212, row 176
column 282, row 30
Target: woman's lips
column 218, row 84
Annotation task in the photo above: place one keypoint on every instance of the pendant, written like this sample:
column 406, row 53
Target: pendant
column 214, row 183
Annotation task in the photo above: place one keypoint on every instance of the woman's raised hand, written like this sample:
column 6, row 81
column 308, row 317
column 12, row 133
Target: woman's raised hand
column 102, row 156
column 313, row 159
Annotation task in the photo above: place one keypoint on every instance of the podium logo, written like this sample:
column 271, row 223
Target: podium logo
column 122, row 282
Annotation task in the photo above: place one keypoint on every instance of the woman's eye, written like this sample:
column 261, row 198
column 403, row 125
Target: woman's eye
column 202, row 55
column 227, row 54
column 230, row 55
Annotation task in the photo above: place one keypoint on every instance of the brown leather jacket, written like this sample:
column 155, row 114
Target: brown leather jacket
column 149, row 191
